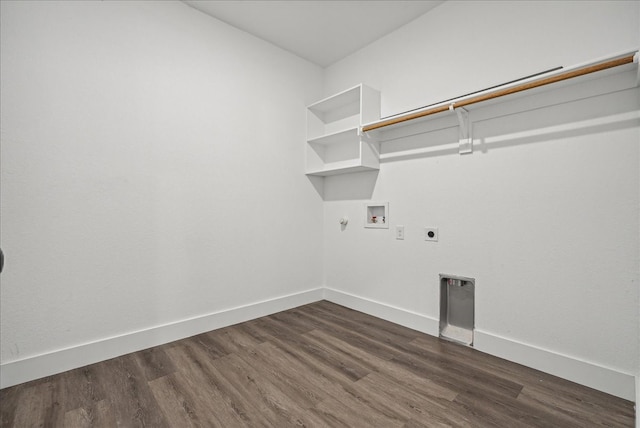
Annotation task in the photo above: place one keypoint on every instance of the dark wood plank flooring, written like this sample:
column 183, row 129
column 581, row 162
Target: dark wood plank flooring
column 319, row 365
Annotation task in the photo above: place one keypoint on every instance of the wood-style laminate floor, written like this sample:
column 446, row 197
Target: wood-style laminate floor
column 319, row 365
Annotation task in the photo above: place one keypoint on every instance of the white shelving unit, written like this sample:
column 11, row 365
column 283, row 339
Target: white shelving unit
column 335, row 144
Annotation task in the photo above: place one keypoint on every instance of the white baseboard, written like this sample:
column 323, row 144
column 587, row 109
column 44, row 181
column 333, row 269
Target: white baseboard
column 592, row 375
column 589, row 374
column 31, row 368
column 637, row 400
column 395, row 315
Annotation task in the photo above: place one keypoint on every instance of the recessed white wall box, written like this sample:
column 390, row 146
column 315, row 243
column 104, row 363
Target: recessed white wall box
column 377, row 215
column 431, row 234
column 335, row 144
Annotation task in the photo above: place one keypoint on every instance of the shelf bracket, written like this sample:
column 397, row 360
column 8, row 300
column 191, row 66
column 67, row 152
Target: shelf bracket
column 465, row 143
column 369, row 138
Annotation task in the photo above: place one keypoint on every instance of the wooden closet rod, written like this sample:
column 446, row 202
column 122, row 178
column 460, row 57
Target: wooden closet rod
column 502, row 92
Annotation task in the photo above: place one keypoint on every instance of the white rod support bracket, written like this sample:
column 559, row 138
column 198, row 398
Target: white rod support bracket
column 465, row 144
column 365, row 136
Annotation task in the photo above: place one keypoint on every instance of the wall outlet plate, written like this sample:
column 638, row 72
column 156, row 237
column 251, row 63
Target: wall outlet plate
column 399, row 232
column 431, row 234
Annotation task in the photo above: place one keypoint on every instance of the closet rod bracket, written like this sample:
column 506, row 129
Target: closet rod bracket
column 369, row 138
column 465, row 143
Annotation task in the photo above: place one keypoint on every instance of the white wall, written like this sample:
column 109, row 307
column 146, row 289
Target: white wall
column 463, row 46
column 152, row 175
column 544, row 214
column 152, row 171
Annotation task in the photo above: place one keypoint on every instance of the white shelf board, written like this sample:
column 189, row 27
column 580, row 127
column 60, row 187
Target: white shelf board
column 342, row 167
column 336, row 137
column 392, row 131
column 337, row 101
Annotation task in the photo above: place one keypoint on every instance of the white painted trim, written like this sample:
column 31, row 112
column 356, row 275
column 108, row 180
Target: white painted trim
column 24, row 370
column 589, row 374
column 585, row 373
column 390, row 313
column 637, row 400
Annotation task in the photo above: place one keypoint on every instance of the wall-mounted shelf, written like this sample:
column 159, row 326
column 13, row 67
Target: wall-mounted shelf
column 344, row 131
column 335, row 144
column 391, row 128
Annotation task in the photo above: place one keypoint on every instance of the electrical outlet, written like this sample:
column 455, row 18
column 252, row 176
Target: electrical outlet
column 431, row 234
column 399, row 232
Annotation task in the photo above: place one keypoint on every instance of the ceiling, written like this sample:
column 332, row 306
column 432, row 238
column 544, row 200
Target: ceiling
column 322, row 32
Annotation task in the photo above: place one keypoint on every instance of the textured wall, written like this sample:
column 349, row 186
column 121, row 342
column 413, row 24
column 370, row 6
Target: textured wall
column 544, row 213
column 152, row 171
